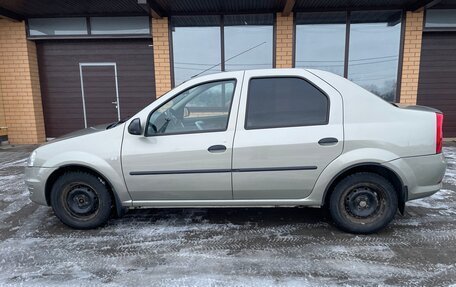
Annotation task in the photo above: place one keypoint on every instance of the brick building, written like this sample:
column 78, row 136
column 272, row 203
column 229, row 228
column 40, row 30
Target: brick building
column 72, row 64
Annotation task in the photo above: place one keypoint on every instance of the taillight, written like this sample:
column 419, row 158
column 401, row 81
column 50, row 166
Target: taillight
column 439, row 133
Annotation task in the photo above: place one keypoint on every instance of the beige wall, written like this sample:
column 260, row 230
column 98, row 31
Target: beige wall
column 411, row 57
column 284, row 41
column 160, row 40
column 20, row 86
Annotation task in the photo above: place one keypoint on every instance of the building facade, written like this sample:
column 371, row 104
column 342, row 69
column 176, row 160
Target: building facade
column 76, row 64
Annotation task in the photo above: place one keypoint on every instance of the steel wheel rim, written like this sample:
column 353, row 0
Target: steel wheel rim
column 81, row 201
column 363, row 203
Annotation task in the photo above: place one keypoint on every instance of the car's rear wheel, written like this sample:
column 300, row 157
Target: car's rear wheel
column 81, row 200
column 363, row 203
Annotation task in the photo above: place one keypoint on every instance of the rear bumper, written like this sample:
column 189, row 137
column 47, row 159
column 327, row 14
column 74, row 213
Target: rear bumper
column 422, row 175
column 35, row 181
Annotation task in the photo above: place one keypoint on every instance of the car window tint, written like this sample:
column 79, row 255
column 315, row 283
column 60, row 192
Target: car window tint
column 202, row 108
column 285, row 102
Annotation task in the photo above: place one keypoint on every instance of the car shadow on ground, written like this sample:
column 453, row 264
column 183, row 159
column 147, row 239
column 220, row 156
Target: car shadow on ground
column 239, row 216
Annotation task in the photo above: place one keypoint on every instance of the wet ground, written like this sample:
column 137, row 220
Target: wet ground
column 223, row 247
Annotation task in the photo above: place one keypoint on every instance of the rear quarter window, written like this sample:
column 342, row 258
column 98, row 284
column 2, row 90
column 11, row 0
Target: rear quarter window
column 285, row 102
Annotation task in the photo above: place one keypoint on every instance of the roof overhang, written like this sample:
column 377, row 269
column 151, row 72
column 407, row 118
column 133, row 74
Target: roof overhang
column 19, row 10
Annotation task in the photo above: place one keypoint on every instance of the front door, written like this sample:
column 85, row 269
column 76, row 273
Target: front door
column 288, row 131
column 185, row 153
column 100, row 93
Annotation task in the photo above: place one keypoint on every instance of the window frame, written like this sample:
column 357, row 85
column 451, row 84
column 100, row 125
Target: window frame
column 328, row 105
column 183, row 91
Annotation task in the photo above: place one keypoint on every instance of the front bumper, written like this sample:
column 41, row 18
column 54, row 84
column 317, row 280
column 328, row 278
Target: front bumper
column 35, row 180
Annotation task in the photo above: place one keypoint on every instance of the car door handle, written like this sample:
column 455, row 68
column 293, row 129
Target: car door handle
column 217, row 148
column 328, row 141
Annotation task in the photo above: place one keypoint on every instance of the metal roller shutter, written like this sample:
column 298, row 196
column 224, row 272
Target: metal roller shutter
column 437, row 82
column 61, row 64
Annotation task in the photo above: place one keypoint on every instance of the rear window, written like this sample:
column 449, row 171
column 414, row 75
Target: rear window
column 285, row 102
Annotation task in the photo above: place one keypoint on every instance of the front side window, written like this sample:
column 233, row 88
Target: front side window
column 203, row 108
column 285, row 102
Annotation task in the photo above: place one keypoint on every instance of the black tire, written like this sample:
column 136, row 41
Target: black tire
column 363, row 203
column 80, row 200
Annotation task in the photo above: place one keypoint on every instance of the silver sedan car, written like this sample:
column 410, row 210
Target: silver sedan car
column 258, row 138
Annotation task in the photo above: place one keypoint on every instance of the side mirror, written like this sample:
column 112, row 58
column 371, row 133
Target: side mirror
column 134, row 127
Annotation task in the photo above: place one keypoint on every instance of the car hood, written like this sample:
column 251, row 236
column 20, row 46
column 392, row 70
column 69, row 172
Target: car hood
column 78, row 133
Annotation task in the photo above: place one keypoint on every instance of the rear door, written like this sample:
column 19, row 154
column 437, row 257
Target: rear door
column 289, row 128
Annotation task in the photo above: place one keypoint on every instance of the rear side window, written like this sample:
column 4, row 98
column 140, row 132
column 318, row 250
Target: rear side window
column 285, row 102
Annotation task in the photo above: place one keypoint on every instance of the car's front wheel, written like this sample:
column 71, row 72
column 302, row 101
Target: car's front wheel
column 363, row 203
column 81, row 200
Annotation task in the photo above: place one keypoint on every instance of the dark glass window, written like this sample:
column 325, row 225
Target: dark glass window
column 374, row 51
column 196, row 46
column 440, row 18
column 320, row 41
column 248, row 42
column 57, row 26
column 285, row 102
column 119, row 25
column 98, row 26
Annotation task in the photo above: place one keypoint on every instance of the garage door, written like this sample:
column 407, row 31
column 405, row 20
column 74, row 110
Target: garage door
column 437, row 83
column 90, row 82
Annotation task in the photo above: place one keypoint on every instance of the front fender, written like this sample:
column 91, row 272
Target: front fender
column 109, row 168
column 343, row 162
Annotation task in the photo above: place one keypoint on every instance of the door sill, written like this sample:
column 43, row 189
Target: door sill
column 222, row 203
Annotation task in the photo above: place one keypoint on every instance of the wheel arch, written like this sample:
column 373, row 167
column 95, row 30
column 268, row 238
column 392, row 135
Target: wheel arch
column 372, row 167
column 78, row 167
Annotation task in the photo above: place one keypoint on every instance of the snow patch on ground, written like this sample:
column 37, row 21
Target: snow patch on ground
column 450, row 156
column 438, row 200
column 13, row 193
